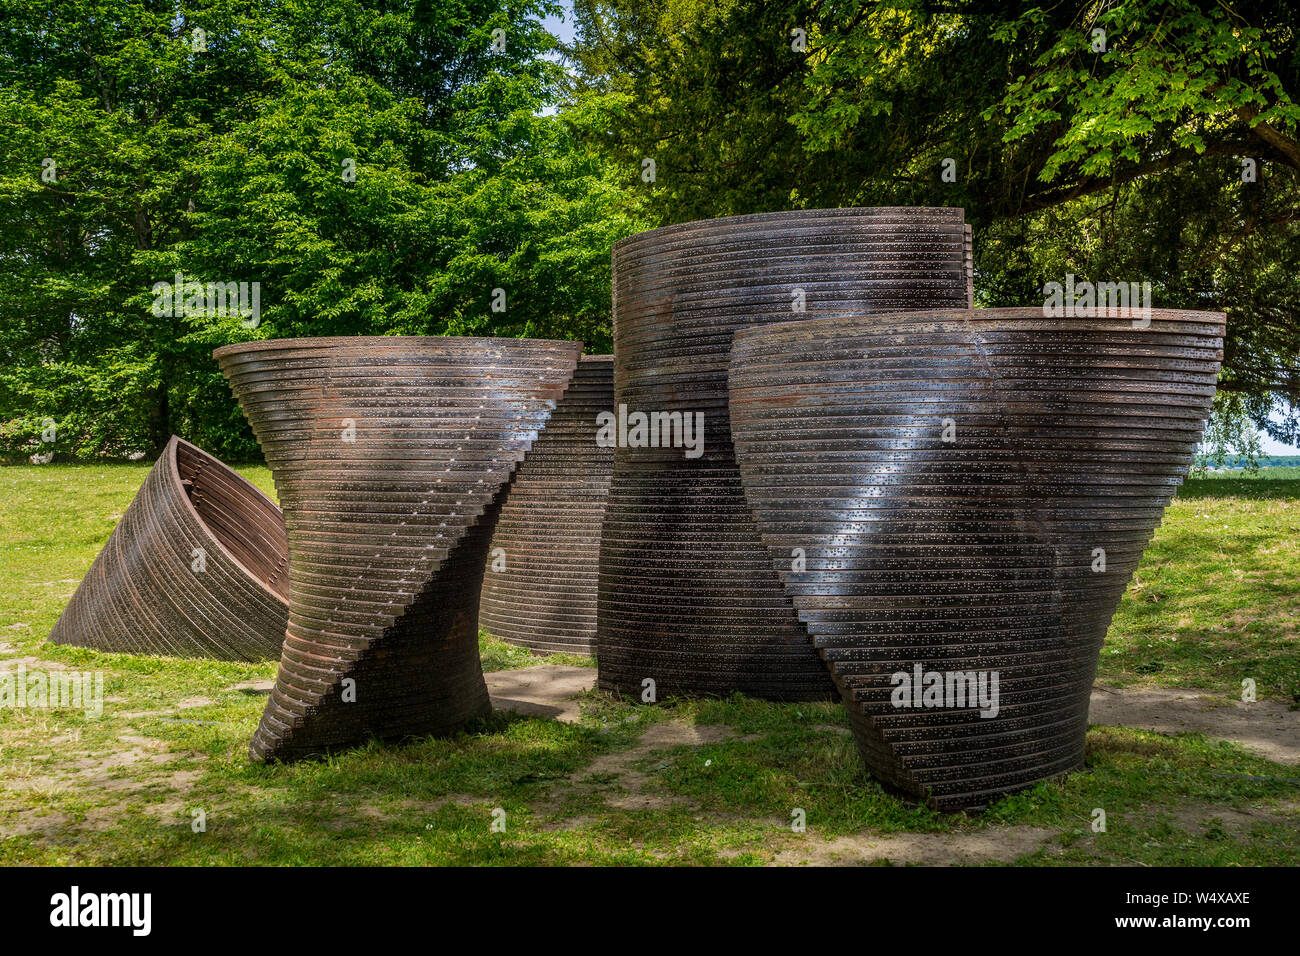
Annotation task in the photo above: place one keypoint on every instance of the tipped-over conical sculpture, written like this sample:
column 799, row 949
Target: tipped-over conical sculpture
column 688, row 599
column 539, row 589
column 965, row 495
column 197, row 567
column 390, row 455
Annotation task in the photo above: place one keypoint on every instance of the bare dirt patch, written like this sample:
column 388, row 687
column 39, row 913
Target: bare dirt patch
column 1265, row 726
column 100, row 775
column 636, row 783
column 547, row 690
column 1192, row 817
column 925, row 849
column 100, row 772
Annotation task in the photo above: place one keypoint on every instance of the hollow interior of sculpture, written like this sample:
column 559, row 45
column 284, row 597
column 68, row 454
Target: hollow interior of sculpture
column 242, row 519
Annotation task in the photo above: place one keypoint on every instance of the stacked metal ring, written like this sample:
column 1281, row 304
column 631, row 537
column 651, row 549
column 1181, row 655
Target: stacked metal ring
column 390, row 455
column 688, row 600
column 195, row 568
column 970, row 268
column 539, row 590
column 969, row 492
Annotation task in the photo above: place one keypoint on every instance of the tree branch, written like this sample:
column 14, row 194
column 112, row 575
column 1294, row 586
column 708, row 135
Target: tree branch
column 1092, row 184
column 1287, row 149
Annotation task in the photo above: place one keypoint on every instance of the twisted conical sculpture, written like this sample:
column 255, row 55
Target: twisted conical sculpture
column 954, row 496
column 687, row 598
column 539, row 589
column 197, row 567
column 390, row 455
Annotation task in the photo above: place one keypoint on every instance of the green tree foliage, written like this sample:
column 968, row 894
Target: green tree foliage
column 1104, row 139
column 375, row 168
column 1230, row 438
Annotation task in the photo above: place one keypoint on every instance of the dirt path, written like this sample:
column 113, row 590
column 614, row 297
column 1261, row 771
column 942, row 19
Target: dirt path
column 617, row 781
column 547, row 690
column 1002, row 845
column 1266, row 727
column 614, row 780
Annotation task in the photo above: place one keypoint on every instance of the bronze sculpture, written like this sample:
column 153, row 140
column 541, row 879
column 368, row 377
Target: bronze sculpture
column 197, row 567
column 688, row 602
column 390, row 455
column 539, row 589
column 966, row 492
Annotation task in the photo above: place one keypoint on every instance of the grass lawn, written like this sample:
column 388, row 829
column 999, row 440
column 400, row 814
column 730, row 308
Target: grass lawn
column 1217, row 599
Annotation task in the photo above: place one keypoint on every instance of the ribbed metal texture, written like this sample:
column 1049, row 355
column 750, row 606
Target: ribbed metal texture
column 970, row 269
column 953, row 479
column 195, row 568
column 539, row 589
column 390, row 455
column 687, row 596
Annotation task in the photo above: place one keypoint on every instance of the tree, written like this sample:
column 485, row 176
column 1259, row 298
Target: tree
column 1070, row 133
column 1230, row 438
column 363, row 167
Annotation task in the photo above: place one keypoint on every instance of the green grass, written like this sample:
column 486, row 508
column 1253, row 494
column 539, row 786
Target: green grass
column 1217, row 596
column 1216, row 599
column 500, row 656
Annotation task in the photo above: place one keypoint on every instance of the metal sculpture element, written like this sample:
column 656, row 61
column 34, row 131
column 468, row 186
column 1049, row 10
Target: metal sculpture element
column 390, row 455
column 970, row 269
column 195, row 568
column 688, row 599
column 971, row 491
column 539, row 590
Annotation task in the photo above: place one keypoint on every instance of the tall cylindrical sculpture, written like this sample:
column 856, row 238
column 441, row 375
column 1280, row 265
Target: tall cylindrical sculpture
column 971, row 490
column 539, row 589
column 688, row 599
column 390, row 455
column 197, row 567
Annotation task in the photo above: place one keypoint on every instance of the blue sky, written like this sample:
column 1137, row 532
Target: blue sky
column 561, row 28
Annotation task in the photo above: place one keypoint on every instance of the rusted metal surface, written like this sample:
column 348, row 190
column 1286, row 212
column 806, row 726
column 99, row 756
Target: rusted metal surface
column 687, row 596
column 539, row 589
column 390, row 455
column 971, row 492
column 970, row 269
column 197, row 567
